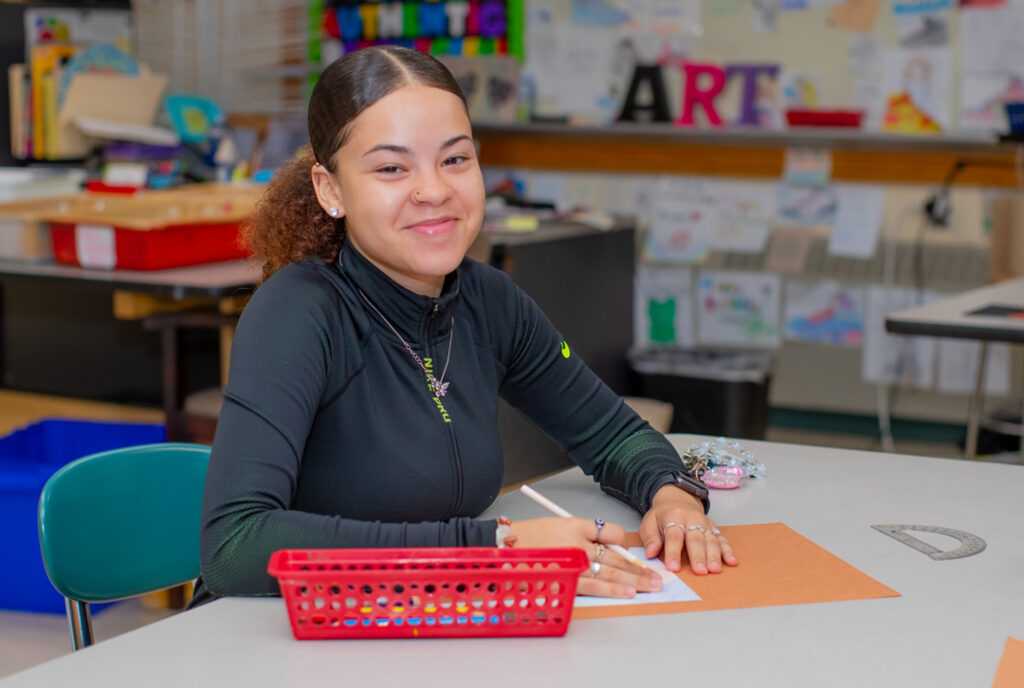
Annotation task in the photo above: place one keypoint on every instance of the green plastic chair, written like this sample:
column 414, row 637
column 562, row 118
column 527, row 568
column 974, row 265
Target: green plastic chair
column 122, row 523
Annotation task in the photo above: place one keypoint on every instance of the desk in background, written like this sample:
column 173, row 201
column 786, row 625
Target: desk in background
column 947, row 629
column 952, row 317
column 61, row 336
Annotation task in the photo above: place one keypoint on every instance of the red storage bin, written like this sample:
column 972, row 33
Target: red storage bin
column 133, row 249
column 428, row 592
column 150, row 230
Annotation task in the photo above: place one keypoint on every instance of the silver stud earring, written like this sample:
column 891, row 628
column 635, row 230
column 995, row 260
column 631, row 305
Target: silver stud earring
column 333, row 212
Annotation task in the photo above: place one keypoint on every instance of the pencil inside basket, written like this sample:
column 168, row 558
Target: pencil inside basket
column 428, row 592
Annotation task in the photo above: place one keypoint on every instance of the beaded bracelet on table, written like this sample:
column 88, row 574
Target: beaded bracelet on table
column 721, row 463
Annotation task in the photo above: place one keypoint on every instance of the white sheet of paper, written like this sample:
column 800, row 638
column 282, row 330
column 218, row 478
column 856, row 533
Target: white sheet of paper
column 746, row 213
column 991, row 39
column 663, row 311
column 866, row 65
column 858, row 221
column 739, row 308
column 675, row 590
column 584, row 69
column 887, row 357
column 958, row 365
column 540, row 69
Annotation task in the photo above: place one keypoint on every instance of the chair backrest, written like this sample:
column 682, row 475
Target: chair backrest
column 124, row 522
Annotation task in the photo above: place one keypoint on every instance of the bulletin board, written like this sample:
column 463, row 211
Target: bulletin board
column 935, row 67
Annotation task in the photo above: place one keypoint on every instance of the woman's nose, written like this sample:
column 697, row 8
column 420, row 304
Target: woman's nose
column 432, row 189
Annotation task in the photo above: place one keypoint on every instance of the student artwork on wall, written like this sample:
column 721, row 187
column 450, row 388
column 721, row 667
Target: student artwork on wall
column 826, row 312
column 746, row 213
column 683, row 222
column 738, row 308
column 807, row 205
column 983, row 99
column 918, row 90
column 490, row 84
column 663, row 312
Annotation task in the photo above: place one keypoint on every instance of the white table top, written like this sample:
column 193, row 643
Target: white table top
column 949, row 317
column 947, row 629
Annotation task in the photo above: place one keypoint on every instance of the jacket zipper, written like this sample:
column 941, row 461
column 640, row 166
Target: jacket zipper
column 453, row 445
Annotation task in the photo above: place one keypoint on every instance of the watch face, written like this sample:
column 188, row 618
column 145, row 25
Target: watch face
column 689, row 484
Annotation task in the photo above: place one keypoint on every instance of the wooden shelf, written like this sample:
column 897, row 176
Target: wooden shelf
column 856, row 156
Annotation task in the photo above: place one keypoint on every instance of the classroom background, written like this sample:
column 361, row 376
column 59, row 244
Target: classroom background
column 786, row 172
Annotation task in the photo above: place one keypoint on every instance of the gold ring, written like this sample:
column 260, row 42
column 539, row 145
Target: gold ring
column 700, row 528
column 600, row 552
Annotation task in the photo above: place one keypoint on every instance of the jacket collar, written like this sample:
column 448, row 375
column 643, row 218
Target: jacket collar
column 412, row 314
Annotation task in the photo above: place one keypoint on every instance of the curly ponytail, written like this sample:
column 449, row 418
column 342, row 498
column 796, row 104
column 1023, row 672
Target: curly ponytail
column 289, row 224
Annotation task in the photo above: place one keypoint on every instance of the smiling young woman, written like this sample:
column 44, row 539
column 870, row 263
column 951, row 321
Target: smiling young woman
column 361, row 404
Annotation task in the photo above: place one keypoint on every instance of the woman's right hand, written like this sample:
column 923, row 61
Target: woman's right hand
column 615, row 577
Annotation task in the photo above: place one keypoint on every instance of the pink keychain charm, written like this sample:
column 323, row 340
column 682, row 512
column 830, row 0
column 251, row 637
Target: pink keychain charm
column 723, row 477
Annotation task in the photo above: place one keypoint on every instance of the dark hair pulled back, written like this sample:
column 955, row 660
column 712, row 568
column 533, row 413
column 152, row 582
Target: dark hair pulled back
column 288, row 224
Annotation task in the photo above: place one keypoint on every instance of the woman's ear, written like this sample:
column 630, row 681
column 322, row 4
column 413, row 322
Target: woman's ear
column 327, row 191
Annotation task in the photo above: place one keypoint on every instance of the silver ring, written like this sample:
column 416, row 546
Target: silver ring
column 700, row 528
column 600, row 552
column 599, row 522
column 716, row 532
column 673, row 523
column 595, row 568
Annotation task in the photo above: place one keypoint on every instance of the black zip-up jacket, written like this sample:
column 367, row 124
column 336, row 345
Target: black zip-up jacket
column 330, row 437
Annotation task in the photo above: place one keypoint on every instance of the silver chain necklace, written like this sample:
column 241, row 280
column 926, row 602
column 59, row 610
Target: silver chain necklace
column 438, row 387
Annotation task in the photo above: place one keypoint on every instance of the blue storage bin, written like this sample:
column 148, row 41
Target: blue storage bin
column 1015, row 117
column 28, row 457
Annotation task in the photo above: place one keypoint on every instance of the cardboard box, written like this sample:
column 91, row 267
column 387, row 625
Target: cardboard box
column 1006, row 242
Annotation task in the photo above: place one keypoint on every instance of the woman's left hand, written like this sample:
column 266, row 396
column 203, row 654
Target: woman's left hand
column 676, row 522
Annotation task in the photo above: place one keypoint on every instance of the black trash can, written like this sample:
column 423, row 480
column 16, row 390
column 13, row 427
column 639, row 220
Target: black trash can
column 713, row 392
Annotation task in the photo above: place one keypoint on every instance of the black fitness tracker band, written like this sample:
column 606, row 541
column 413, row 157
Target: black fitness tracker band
column 687, row 483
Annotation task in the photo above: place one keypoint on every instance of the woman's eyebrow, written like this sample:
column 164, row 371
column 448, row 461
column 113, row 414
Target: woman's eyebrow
column 453, row 140
column 401, row 150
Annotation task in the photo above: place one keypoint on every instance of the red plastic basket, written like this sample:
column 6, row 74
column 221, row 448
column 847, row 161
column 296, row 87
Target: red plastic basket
column 428, row 592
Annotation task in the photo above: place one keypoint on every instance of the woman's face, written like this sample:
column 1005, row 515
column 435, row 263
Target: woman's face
column 410, row 187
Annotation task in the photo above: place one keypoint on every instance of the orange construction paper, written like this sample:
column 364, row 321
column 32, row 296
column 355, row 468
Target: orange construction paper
column 1010, row 673
column 855, row 15
column 777, row 566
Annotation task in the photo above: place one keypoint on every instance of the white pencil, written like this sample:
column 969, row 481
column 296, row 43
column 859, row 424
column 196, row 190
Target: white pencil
column 559, row 511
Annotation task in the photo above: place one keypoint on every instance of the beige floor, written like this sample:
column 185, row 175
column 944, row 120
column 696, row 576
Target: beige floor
column 29, row 639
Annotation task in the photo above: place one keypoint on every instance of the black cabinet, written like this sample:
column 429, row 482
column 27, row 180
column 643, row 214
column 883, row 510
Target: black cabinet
column 582, row 278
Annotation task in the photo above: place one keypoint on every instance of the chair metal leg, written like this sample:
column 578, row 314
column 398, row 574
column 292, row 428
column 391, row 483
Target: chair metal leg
column 80, row 622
